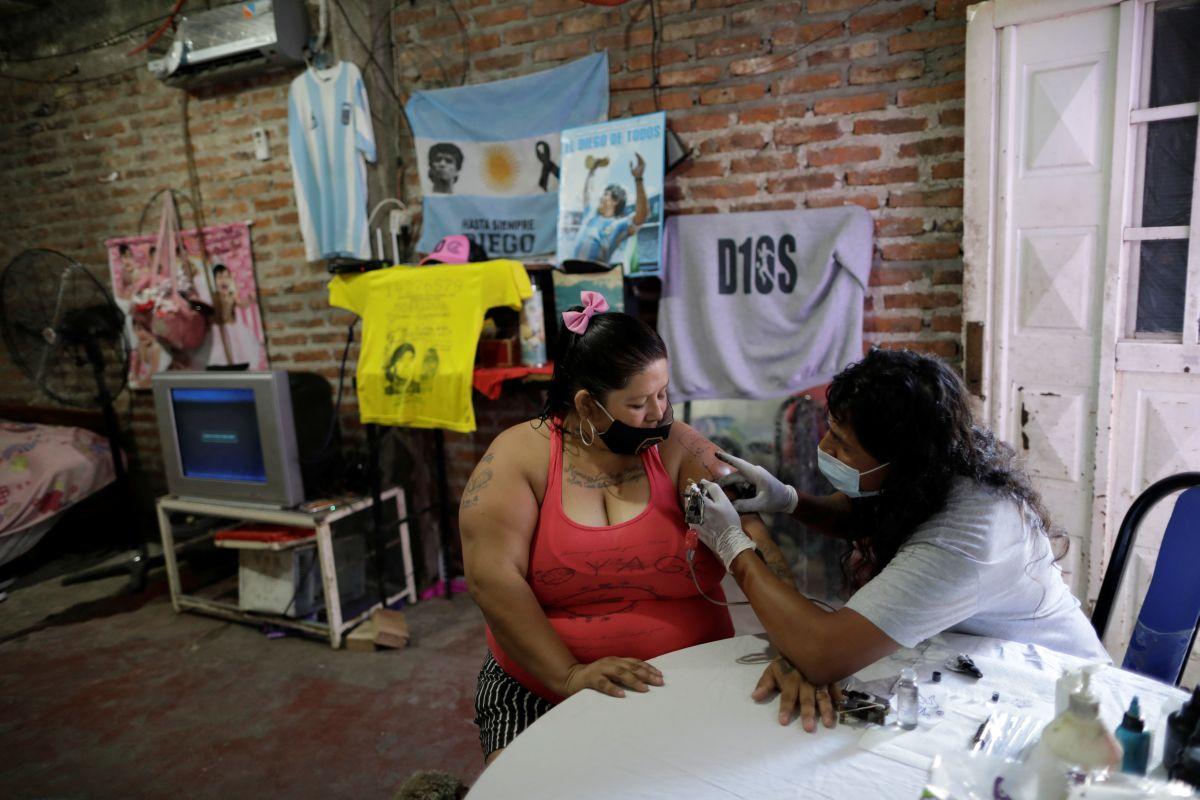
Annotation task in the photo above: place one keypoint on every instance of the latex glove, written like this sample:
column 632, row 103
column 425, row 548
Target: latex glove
column 772, row 495
column 722, row 530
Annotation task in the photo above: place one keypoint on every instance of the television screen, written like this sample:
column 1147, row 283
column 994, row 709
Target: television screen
column 218, row 434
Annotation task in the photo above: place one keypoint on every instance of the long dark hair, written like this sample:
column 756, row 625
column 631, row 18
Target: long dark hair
column 910, row 410
column 614, row 348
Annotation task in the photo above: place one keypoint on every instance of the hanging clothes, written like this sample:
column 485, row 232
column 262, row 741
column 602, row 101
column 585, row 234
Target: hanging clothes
column 421, row 326
column 330, row 138
column 763, row 304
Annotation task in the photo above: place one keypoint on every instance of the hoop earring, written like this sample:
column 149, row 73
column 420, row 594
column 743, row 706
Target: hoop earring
column 587, row 443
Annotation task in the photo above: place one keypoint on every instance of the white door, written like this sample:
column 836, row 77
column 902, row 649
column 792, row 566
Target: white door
column 1080, row 300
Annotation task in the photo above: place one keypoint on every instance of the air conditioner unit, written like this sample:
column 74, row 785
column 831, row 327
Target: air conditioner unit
column 234, row 41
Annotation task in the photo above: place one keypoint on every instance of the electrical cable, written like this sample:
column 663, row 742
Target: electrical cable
column 462, row 31
column 61, row 81
column 159, row 31
column 370, row 52
column 337, row 403
column 108, row 41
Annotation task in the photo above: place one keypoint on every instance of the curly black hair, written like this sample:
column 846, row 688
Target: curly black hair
column 910, row 410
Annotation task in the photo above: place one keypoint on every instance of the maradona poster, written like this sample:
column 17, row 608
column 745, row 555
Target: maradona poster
column 488, row 158
column 610, row 198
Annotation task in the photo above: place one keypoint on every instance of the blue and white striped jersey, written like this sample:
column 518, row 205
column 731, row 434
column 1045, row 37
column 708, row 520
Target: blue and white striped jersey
column 329, row 136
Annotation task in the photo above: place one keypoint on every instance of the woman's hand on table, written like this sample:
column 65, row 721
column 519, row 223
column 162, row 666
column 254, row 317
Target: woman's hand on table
column 609, row 675
column 797, row 694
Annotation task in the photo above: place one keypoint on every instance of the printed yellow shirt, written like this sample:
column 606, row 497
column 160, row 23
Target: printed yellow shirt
column 421, row 326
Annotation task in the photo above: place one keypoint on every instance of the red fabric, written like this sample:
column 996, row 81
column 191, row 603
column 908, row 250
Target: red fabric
column 619, row 590
column 490, row 380
column 264, row 532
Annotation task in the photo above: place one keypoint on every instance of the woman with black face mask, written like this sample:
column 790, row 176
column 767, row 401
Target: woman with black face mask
column 574, row 540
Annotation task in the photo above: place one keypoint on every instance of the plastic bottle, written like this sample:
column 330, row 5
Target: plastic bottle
column 533, row 331
column 1134, row 740
column 1075, row 740
column 1180, row 725
column 907, row 699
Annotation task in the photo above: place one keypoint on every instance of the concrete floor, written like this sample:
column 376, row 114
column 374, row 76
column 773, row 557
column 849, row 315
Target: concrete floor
column 103, row 694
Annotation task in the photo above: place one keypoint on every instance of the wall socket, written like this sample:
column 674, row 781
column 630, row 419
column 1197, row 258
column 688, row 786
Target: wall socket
column 262, row 148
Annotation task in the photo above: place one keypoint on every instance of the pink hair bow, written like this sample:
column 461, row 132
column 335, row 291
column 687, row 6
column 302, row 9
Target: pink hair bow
column 593, row 304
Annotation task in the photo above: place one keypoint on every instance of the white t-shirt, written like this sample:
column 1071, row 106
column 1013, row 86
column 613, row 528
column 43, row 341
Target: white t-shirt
column 978, row 567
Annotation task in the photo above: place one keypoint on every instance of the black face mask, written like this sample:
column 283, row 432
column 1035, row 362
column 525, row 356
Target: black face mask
column 627, row 440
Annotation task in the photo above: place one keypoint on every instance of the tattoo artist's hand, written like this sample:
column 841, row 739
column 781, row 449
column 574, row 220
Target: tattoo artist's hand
column 795, row 692
column 772, row 493
column 722, row 530
column 609, row 675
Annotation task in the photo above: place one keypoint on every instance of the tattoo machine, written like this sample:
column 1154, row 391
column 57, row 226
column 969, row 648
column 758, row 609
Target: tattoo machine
column 863, row 707
column 693, row 515
column 963, row 664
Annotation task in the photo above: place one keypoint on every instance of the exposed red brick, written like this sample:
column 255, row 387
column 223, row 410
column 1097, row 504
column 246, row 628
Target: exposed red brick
column 791, row 135
column 867, row 201
column 890, row 19
column 947, row 323
column 946, row 348
column 764, row 163
column 898, row 226
column 952, row 9
column 886, row 73
column 932, row 147
column 733, row 94
column 700, row 169
column 690, row 77
column 560, row 51
column 723, row 189
column 622, row 83
column 499, row 62
column 881, row 176
column 666, row 57
column 700, row 122
column 481, row 44
column 802, row 183
column 792, row 35
column 811, row 82
column 759, row 65
column 586, row 23
column 851, row 105
column 542, row 8
column 947, row 277
column 825, row 6
column 942, row 198
column 890, row 125
column 733, row 141
column 873, row 323
column 951, row 117
column 843, row 155
column 730, row 46
column 534, row 32
column 782, row 204
column 760, row 13
column 692, row 28
column 919, row 251
column 930, row 94
column 948, row 170
column 922, row 300
column 499, row 16
column 928, row 39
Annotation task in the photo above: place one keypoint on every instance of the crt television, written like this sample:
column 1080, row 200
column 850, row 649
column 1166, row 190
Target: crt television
column 233, row 436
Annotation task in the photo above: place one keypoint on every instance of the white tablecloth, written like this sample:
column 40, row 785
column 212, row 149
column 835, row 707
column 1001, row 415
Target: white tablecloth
column 701, row 736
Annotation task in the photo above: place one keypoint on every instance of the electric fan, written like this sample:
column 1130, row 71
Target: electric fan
column 64, row 331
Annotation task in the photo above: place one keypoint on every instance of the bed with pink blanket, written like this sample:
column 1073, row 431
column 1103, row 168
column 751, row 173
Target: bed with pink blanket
column 44, row 470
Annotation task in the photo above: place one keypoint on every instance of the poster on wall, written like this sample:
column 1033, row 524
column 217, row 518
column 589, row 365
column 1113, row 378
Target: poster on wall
column 236, row 333
column 488, row 155
column 568, row 288
column 610, row 201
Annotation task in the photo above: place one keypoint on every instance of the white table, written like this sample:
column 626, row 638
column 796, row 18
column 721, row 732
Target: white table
column 701, row 736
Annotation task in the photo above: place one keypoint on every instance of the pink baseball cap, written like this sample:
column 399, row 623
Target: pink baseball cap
column 457, row 249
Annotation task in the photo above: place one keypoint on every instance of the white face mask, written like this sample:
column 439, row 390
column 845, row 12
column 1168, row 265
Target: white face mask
column 845, row 478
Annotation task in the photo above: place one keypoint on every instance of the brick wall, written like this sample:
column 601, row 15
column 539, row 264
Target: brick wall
column 785, row 105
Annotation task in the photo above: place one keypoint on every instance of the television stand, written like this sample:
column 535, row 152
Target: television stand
column 322, row 519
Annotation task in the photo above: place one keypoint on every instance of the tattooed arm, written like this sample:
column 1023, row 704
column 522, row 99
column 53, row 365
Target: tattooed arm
column 695, row 457
column 497, row 517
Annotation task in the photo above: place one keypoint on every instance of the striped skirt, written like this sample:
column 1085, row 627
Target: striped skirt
column 503, row 707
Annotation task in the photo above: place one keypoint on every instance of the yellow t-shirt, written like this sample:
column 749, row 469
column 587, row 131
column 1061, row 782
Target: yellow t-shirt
column 420, row 329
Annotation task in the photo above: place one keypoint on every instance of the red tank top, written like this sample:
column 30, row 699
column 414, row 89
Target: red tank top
column 619, row 590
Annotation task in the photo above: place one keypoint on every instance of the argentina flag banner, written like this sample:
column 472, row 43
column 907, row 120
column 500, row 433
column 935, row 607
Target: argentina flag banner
column 488, row 155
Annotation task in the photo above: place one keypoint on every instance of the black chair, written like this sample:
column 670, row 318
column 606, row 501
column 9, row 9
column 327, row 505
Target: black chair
column 1170, row 615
